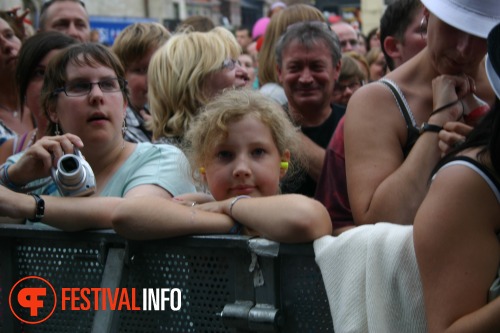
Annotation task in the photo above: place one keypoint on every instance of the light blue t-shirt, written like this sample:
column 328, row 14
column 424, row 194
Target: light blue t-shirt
column 150, row 164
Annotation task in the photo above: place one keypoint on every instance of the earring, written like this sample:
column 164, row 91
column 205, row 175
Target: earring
column 124, row 127
column 423, row 28
column 202, row 170
column 56, row 132
column 284, row 165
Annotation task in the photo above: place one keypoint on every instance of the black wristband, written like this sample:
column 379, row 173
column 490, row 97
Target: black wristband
column 426, row 127
column 40, row 208
column 445, row 107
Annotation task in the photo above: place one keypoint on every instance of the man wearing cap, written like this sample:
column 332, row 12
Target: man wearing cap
column 275, row 8
column 67, row 16
column 392, row 138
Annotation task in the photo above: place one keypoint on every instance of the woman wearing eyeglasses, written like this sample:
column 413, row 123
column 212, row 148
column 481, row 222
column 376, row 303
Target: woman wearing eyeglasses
column 84, row 97
column 186, row 73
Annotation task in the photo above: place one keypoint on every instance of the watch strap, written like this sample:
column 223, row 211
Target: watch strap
column 426, row 127
column 40, row 208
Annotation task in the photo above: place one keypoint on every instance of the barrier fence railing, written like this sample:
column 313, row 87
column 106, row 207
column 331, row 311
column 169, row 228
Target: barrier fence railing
column 216, row 283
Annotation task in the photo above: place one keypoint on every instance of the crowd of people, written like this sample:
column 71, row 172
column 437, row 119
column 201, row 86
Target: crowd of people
column 295, row 129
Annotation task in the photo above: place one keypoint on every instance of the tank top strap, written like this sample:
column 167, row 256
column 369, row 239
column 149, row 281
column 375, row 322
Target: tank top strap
column 404, row 108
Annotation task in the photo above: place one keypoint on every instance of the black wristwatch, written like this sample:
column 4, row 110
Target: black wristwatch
column 40, row 208
column 426, row 127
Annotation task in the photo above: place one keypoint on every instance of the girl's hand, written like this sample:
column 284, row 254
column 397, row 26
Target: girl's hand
column 41, row 157
column 221, row 207
column 189, row 199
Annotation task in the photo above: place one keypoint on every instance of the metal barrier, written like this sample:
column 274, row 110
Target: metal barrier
column 228, row 283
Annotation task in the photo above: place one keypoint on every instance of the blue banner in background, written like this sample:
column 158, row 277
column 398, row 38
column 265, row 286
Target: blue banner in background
column 109, row 27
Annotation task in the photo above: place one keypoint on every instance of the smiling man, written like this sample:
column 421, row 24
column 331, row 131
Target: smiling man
column 308, row 59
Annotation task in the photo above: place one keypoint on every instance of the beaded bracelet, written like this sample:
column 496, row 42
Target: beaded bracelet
column 5, row 180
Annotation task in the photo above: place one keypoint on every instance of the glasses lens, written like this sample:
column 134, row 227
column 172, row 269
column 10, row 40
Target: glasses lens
column 78, row 88
column 229, row 64
column 75, row 89
column 110, row 85
column 341, row 88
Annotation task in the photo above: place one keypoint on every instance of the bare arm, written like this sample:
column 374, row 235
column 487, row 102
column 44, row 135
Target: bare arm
column 382, row 184
column 154, row 218
column 458, row 252
column 288, row 218
column 71, row 214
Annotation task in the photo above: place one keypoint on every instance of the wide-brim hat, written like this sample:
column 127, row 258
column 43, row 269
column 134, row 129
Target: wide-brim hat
column 476, row 17
column 493, row 59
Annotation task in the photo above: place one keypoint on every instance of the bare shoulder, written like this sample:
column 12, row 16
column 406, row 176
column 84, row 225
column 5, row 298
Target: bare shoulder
column 370, row 98
column 373, row 109
column 457, row 184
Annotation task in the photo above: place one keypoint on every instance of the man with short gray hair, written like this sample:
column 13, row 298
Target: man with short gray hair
column 308, row 60
column 67, row 16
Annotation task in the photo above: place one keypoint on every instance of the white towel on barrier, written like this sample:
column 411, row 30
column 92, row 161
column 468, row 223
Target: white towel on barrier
column 372, row 280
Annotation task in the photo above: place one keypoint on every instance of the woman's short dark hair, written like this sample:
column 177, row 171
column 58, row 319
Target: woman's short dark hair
column 80, row 54
column 34, row 49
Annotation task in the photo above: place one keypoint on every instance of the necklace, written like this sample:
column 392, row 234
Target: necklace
column 13, row 111
column 32, row 139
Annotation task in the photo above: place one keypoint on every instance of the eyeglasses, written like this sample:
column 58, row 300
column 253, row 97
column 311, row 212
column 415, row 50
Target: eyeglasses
column 76, row 89
column 230, row 64
column 340, row 88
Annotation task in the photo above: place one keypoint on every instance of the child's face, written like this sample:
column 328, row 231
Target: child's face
column 246, row 163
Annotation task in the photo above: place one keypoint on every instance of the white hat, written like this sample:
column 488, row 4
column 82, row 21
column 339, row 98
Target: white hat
column 476, row 17
column 493, row 59
column 277, row 5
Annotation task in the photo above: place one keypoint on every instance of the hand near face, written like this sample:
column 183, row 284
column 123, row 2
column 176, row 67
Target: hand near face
column 38, row 160
column 447, row 89
column 19, row 18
